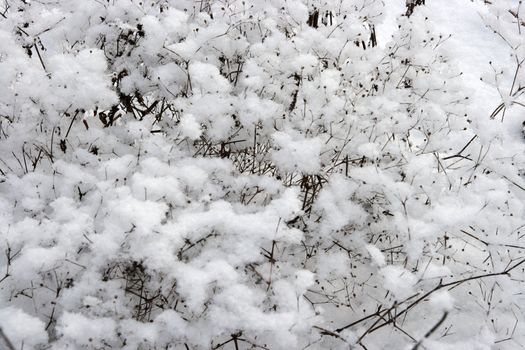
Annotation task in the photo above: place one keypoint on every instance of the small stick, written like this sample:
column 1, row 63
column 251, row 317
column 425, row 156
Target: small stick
column 6, row 340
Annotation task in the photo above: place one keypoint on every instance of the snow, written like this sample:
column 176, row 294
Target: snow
column 261, row 174
column 301, row 155
column 23, row 330
column 399, row 281
column 376, row 255
column 84, row 331
column 83, row 74
column 442, row 301
column 207, row 78
column 189, row 127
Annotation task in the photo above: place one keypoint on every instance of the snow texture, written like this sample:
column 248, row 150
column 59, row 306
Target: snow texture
column 262, row 174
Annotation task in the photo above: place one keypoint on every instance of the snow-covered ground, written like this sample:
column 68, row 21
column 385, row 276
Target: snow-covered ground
column 258, row 174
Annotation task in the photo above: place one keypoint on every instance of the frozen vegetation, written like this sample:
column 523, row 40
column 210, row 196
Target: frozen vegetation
column 262, row 174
